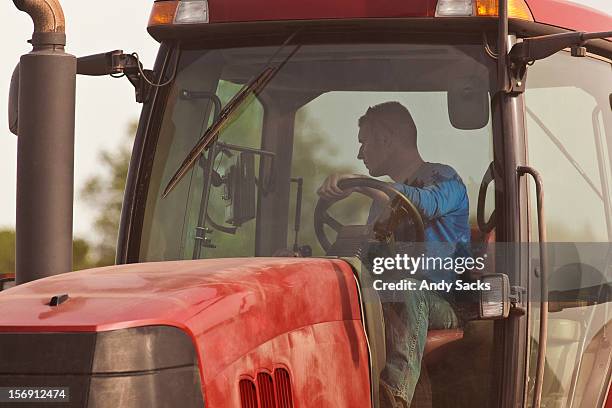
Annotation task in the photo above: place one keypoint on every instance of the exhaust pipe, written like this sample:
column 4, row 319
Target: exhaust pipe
column 45, row 147
column 47, row 15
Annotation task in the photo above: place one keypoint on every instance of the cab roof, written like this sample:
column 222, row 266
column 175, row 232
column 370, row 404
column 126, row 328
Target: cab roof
column 568, row 15
column 559, row 13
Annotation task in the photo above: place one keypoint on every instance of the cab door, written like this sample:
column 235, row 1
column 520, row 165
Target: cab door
column 569, row 142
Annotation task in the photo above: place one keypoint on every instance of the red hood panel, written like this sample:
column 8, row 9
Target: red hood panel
column 194, row 295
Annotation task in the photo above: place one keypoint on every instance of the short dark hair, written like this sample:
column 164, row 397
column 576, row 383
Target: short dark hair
column 393, row 117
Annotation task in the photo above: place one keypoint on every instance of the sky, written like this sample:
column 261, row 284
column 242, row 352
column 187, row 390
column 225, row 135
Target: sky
column 105, row 106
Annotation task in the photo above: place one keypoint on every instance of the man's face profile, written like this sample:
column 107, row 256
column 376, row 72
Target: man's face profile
column 378, row 149
column 372, row 151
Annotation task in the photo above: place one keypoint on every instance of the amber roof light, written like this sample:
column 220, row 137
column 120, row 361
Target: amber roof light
column 168, row 12
column 482, row 8
column 163, row 13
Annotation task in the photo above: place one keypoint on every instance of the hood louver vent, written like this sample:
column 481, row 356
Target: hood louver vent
column 269, row 392
column 265, row 386
column 248, row 394
column 282, row 386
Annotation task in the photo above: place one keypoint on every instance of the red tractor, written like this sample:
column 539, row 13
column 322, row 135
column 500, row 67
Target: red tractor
column 229, row 290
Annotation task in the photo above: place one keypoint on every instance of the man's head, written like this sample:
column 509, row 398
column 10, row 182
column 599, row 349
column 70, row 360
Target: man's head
column 386, row 133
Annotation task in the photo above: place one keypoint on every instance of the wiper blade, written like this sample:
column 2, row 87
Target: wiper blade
column 225, row 115
column 230, row 111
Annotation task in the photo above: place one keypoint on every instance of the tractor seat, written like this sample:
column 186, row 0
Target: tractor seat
column 437, row 339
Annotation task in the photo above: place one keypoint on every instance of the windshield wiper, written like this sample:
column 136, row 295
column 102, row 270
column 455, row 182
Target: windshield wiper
column 230, row 110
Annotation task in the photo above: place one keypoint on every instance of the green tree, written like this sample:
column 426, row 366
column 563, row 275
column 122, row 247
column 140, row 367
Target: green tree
column 80, row 252
column 81, row 255
column 312, row 160
column 104, row 193
column 7, row 251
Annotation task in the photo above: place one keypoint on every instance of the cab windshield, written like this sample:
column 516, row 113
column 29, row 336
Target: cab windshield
column 253, row 192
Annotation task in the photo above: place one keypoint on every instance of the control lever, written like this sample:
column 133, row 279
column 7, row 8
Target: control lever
column 305, row 250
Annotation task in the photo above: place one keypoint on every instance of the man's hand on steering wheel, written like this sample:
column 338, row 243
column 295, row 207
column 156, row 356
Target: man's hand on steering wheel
column 330, row 190
column 337, row 187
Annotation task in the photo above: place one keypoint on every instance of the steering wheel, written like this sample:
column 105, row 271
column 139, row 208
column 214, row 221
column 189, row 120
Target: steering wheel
column 400, row 208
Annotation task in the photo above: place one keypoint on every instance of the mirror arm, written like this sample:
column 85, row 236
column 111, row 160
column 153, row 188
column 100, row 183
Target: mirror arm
column 537, row 48
column 117, row 63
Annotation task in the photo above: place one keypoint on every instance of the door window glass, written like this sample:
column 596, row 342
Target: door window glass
column 569, row 127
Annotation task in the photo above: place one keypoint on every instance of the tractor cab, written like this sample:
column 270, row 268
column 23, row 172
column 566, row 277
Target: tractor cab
column 254, row 121
column 253, row 191
column 265, row 208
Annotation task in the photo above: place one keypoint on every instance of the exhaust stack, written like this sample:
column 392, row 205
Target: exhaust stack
column 47, row 15
column 45, row 147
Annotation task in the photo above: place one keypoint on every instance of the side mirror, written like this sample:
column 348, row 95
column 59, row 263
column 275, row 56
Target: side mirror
column 13, row 103
column 240, row 190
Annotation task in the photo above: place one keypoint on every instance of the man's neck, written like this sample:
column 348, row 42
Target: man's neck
column 406, row 166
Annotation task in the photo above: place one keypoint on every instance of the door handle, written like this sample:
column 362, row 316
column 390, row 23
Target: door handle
column 541, row 361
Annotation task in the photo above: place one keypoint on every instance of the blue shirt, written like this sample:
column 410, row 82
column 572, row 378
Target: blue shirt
column 441, row 197
column 439, row 194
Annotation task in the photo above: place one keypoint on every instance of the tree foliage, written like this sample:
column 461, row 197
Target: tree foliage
column 103, row 192
column 80, row 252
column 312, row 161
column 7, row 251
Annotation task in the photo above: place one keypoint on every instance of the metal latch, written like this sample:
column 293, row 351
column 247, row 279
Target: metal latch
column 518, row 300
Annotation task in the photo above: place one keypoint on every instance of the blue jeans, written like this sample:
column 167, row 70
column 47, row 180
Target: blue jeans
column 408, row 317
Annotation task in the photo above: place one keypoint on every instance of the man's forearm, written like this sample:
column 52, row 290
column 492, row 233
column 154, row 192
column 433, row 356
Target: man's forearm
column 436, row 200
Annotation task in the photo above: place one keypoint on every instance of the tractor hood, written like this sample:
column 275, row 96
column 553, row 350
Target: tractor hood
column 180, row 333
column 192, row 295
column 227, row 307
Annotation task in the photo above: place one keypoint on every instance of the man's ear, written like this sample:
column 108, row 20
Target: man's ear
column 389, row 140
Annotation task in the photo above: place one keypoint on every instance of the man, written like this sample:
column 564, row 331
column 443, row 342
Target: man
column 388, row 138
